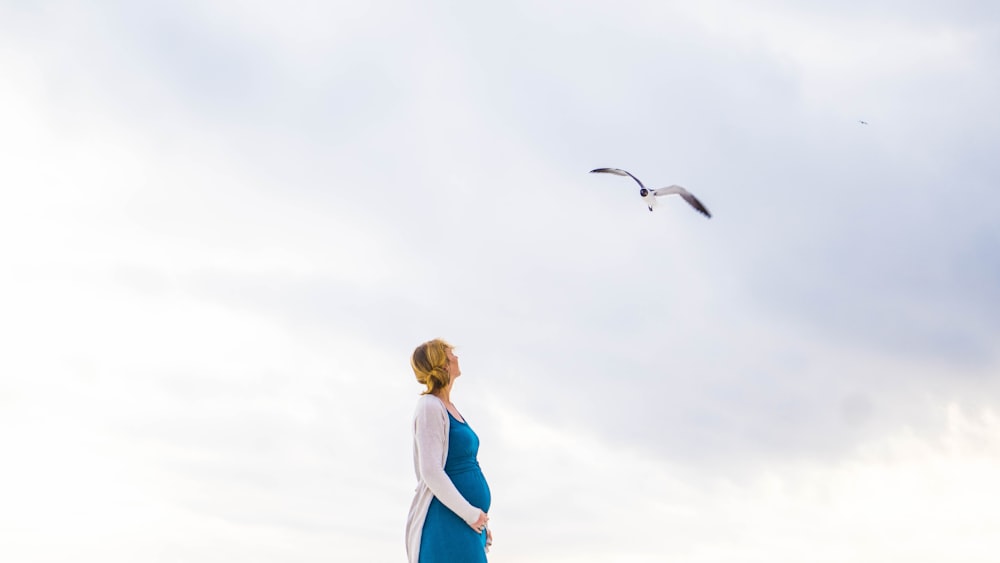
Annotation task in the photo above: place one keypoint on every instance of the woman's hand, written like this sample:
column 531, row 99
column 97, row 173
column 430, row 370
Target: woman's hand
column 480, row 524
column 489, row 538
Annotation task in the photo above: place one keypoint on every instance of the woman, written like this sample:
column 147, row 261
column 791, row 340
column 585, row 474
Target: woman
column 447, row 520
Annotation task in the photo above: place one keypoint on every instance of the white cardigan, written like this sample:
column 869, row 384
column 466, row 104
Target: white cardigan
column 430, row 452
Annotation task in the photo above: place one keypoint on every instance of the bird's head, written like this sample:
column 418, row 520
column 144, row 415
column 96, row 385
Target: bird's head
column 643, row 192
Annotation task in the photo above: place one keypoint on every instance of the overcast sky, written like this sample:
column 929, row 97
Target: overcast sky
column 224, row 226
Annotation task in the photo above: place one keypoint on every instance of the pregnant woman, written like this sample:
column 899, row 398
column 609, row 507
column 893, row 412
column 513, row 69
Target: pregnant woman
column 447, row 520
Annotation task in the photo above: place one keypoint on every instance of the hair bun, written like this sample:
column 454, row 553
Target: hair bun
column 430, row 364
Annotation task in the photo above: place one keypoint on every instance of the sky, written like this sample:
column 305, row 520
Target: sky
column 225, row 226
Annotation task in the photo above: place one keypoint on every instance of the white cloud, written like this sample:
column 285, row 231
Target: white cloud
column 896, row 496
column 226, row 227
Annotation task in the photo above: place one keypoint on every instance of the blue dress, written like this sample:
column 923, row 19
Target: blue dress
column 446, row 538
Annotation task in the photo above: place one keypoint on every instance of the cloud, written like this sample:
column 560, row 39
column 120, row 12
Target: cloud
column 777, row 512
column 231, row 225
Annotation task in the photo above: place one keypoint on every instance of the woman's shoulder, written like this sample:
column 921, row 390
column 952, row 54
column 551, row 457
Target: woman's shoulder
column 430, row 403
column 430, row 409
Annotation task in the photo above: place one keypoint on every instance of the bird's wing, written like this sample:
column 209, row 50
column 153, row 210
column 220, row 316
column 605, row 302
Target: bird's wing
column 618, row 172
column 675, row 189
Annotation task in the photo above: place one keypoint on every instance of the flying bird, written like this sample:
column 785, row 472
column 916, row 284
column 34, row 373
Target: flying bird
column 863, row 122
column 649, row 196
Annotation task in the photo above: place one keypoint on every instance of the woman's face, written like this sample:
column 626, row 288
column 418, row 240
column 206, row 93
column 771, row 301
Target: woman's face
column 453, row 369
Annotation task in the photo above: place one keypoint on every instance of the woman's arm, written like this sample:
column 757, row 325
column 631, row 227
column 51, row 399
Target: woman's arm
column 430, row 442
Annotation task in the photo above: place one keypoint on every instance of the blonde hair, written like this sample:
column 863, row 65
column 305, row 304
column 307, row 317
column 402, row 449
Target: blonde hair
column 430, row 365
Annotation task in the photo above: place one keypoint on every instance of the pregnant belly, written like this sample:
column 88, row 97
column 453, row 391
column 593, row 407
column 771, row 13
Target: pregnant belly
column 474, row 488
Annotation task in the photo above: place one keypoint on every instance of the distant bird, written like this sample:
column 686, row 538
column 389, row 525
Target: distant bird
column 649, row 196
column 863, row 122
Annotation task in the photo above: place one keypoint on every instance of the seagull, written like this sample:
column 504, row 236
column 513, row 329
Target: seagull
column 863, row 122
column 649, row 196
